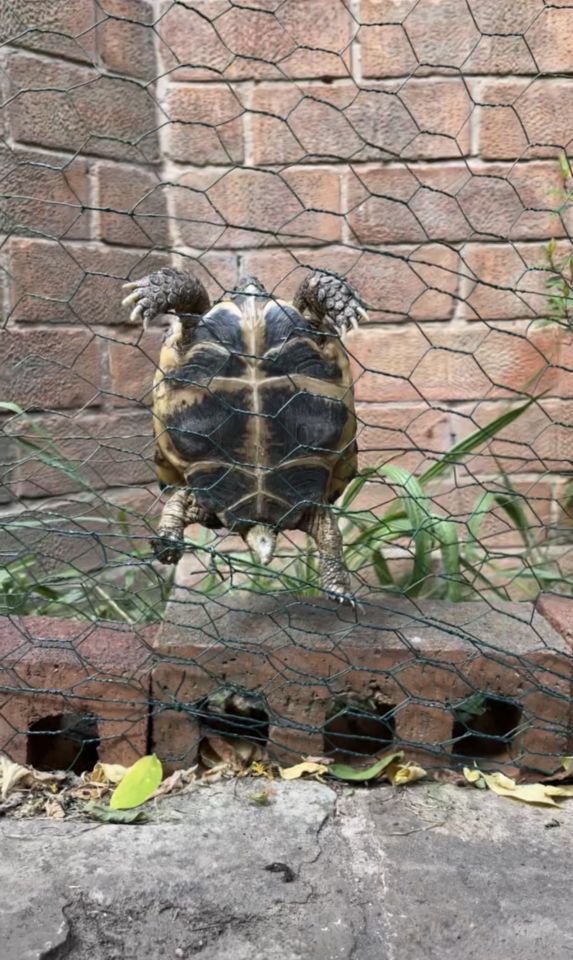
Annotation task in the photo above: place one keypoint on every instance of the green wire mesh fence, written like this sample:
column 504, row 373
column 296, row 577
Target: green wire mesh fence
column 420, row 151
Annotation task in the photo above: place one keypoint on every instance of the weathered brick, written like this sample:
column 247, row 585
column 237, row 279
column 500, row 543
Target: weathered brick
column 190, row 46
column 499, row 54
column 75, row 283
column 44, row 193
column 133, row 366
column 44, row 277
column 442, row 32
column 386, row 51
column 74, row 108
column 49, row 368
column 114, row 451
column 385, row 11
column 60, row 27
column 256, row 205
column 139, row 204
column 523, row 118
column 505, row 16
column 550, row 40
column 379, row 201
column 206, row 125
column 395, row 654
column 411, row 435
column 558, row 611
column 125, row 38
column 384, row 362
column 503, row 281
column 55, row 666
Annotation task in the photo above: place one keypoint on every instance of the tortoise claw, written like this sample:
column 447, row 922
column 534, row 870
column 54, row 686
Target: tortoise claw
column 167, row 548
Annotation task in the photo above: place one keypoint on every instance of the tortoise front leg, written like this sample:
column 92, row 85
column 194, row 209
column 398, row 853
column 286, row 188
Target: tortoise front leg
column 166, row 290
column 180, row 510
column 334, row 577
column 332, row 302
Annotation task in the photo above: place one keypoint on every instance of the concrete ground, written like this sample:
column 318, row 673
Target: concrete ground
column 431, row 871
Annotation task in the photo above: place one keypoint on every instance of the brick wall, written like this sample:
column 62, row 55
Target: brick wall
column 412, row 144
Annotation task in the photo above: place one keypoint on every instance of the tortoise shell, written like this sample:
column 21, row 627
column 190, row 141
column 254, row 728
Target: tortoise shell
column 254, row 412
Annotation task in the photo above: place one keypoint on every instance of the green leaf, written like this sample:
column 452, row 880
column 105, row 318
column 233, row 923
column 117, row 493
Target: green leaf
column 344, row 772
column 564, row 165
column 446, row 533
column 475, row 440
column 140, row 781
column 96, row 811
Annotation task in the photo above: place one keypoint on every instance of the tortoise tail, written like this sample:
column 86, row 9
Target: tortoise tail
column 261, row 540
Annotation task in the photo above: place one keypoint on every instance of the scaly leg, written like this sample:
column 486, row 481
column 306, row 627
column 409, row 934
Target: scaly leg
column 180, row 510
column 332, row 302
column 334, row 577
column 167, row 290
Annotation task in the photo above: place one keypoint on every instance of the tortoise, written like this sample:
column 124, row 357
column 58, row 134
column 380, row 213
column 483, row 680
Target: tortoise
column 253, row 409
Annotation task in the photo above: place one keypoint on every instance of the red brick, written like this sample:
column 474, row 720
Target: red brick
column 77, row 283
column 325, row 28
column 398, row 656
column 255, row 204
column 190, row 46
column 103, row 450
column 139, row 206
column 125, row 38
column 76, row 109
column 411, row 435
column 558, row 611
column 60, row 27
column 498, row 54
column 246, row 207
column 49, row 368
column 384, row 362
column 133, row 366
column 44, row 193
column 503, row 282
column 550, row 38
column 505, row 16
column 523, row 118
column 65, row 666
column 442, row 32
column 385, row 11
column 379, row 204
column 386, row 51
column 511, row 450
column 206, row 125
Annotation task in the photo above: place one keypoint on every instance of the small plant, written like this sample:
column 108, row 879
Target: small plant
column 559, row 264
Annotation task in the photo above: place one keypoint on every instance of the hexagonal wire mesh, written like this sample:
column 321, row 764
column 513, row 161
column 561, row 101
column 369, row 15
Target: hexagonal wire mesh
column 418, row 149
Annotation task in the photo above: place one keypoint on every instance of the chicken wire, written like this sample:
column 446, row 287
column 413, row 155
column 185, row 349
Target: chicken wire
column 420, row 150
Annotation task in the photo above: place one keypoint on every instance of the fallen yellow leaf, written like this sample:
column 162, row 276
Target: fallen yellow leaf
column 299, row 770
column 540, row 794
column 567, row 764
column 402, row 773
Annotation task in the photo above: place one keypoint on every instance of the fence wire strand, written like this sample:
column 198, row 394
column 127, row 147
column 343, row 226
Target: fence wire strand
column 418, row 149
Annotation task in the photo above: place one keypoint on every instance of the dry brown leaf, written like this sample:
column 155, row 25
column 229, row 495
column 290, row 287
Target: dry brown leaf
column 54, row 809
column 110, row 774
column 237, row 754
column 310, row 767
column 177, row 781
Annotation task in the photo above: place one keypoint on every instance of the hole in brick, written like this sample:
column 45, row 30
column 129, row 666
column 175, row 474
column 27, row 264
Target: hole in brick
column 231, row 713
column 362, row 729
column 484, row 726
column 65, row 741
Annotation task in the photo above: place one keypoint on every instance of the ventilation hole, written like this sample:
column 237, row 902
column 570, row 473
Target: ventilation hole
column 231, row 713
column 354, row 729
column 65, row 741
column 485, row 727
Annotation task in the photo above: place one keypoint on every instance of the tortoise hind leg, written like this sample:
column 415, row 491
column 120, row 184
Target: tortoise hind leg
column 334, row 577
column 180, row 510
column 331, row 301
